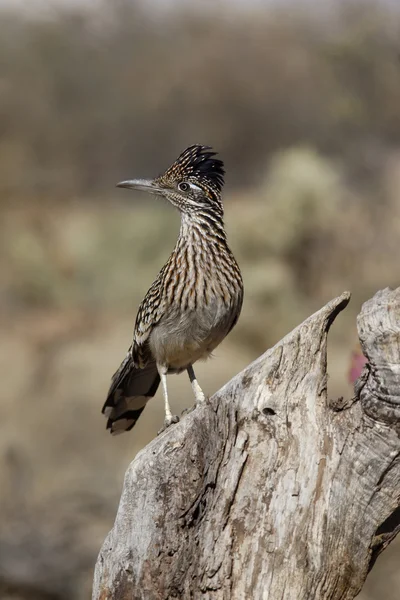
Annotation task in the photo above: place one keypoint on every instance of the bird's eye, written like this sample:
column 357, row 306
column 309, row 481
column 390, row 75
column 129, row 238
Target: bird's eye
column 183, row 186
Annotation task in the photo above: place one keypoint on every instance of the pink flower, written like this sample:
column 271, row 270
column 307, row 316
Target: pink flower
column 357, row 363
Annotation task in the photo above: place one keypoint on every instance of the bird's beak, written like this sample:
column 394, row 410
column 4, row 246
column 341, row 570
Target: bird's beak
column 143, row 185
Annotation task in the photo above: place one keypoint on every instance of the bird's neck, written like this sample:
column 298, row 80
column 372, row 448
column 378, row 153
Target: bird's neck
column 200, row 226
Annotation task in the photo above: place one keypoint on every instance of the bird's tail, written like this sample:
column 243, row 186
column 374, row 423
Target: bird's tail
column 130, row 390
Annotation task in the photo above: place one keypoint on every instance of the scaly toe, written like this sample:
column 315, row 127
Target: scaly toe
column 167, row 422
column 201, row 400
column 188, row 410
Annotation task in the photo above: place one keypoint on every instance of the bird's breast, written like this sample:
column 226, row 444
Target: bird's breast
column 201, row 299
column 184, row 336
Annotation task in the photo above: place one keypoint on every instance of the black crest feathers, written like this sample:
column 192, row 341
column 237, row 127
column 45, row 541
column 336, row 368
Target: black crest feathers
column 198, row 163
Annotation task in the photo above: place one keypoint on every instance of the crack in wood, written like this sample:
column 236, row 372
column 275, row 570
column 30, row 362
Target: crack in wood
column 270, row 491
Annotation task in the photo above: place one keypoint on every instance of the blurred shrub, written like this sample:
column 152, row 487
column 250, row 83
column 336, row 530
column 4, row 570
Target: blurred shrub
column 283, row 229
column 303, row 235
column 90, row 95
column 80, row 256
column 299, row 196
column 303, row 107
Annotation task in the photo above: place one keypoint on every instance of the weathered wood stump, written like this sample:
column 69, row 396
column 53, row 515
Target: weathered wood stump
column 270, row 490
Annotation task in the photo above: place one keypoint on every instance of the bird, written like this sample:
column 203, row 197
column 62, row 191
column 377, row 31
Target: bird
column 194, row 302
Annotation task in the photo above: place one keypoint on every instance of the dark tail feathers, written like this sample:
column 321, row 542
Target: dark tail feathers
column 130, row 390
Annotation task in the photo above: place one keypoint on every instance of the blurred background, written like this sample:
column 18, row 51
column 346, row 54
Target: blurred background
column 301, row 99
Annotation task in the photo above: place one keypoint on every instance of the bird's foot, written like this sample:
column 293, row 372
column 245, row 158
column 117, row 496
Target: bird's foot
column 200, row 398
column 167, row 422
column 187, row 411
column 199, row 401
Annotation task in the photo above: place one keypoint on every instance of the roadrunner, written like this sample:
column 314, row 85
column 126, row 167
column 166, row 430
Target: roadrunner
column 195, row 300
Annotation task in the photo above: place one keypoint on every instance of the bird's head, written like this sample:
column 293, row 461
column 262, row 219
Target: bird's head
column 192, row 183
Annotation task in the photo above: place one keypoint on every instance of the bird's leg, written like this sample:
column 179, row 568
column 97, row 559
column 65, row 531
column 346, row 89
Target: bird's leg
column 169, row 417
column 198, row 392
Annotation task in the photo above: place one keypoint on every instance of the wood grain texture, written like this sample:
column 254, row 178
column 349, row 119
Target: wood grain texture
column 270, row 490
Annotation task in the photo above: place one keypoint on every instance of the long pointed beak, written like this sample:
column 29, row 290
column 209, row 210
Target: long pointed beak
column 144, row 185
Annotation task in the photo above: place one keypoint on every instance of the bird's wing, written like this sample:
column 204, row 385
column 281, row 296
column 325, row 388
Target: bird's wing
column 137, row 378
column 149, row 314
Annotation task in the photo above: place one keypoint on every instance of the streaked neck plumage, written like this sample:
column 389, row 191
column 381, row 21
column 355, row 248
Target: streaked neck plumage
column 201, row 265
column 202, row 225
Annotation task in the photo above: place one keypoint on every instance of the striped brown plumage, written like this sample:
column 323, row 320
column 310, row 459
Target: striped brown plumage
column 196, row 298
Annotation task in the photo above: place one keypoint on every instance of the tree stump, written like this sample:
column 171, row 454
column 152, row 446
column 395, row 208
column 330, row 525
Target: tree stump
column 270, row 490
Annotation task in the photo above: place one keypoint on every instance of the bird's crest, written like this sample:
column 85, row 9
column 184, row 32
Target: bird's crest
column 197, row 164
